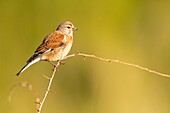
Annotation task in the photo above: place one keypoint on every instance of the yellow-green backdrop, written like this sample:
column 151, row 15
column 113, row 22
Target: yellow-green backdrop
column 133, row 31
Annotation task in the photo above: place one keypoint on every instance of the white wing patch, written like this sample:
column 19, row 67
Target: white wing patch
column 46, row 51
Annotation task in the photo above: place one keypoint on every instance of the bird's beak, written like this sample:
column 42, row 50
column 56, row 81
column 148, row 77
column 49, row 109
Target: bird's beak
column 75, row 29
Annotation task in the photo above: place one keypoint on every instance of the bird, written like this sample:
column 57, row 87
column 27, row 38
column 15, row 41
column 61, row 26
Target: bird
column 54, row 47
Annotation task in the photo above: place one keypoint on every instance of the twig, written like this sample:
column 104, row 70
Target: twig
column 30, row 88
column 118, row 61
column 46, row 77
column 49, row 86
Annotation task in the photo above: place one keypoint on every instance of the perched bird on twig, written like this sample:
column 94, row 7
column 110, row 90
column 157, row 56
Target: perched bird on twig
column 54, row 47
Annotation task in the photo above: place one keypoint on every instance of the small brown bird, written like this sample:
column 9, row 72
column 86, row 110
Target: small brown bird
column 54, row 47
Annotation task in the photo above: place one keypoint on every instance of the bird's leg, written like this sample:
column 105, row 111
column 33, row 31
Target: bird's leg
column 52, row 63
column 55, row 65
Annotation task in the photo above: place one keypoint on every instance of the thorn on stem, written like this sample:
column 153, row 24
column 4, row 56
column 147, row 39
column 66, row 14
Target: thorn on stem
column 51, row 91
column 46, row 77
column 84, row 57
column 38, row 103
column 78, row 52
column 54, row 69
column 38, row 110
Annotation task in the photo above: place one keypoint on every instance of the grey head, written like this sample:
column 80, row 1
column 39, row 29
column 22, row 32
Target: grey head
column 66, row 28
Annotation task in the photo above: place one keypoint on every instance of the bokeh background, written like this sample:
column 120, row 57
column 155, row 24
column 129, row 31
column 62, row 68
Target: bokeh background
column 128, row 30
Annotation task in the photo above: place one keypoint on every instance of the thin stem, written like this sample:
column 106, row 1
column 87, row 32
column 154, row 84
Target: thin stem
column 48, row 88
column 120, row 62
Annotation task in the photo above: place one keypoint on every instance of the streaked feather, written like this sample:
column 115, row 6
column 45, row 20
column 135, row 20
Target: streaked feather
column 51, row 42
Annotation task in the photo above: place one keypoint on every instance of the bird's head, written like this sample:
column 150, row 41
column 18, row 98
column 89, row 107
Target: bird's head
column 66, row 28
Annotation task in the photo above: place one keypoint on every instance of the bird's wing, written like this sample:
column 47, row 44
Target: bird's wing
column 51, row 41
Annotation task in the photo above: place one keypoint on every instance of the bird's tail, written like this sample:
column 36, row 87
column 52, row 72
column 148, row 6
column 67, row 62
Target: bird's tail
column 28, row 65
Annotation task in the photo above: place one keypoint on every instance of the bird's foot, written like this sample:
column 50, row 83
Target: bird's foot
column 61, row 62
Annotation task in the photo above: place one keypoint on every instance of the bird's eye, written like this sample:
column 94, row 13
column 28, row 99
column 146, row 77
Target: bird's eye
column 68, row 27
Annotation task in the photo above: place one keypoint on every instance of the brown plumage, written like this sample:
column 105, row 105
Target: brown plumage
column 52, row 41
column 55, row 46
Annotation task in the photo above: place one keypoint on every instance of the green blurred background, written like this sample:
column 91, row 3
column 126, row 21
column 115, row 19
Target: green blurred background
column 128, row 30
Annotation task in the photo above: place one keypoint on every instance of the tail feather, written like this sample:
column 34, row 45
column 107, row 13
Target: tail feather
column 27, row 65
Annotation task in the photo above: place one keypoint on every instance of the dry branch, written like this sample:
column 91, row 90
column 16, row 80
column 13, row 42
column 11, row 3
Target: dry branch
column 41, row 103
column 98, row 58
column 118, row 61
